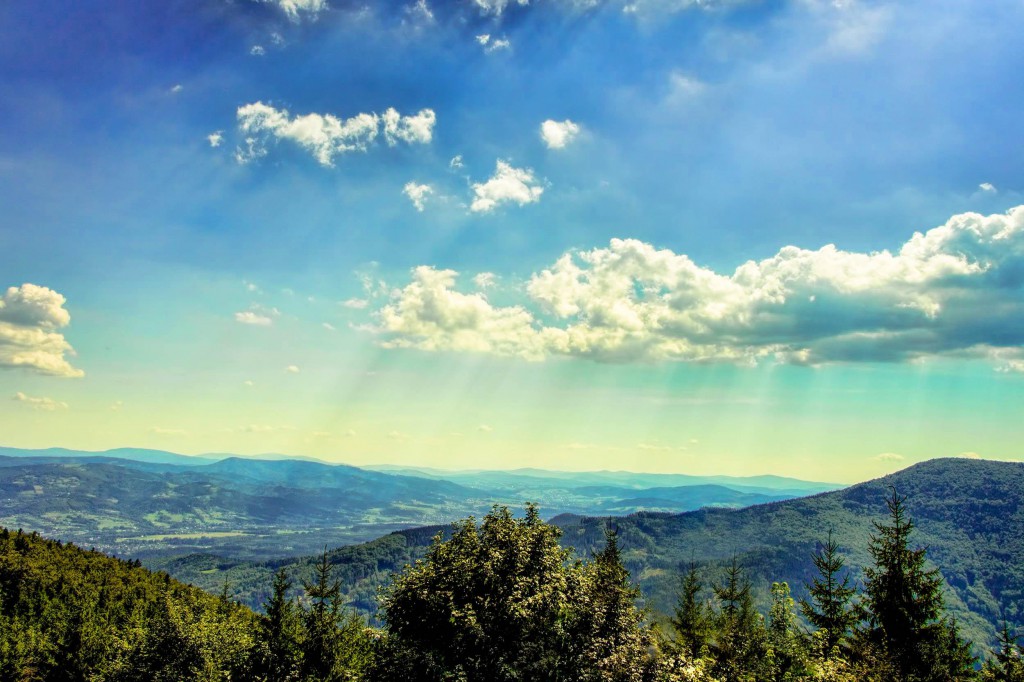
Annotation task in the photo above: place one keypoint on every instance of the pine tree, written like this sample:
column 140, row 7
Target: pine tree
column 335, row 645
column 1007, row 664
column 829, row 609
column 279, row 637
column 692, row 620
column 739, row 642
column 903, row 606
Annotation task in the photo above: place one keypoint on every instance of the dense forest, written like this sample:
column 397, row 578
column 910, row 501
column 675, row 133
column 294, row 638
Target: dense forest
column 499, row 600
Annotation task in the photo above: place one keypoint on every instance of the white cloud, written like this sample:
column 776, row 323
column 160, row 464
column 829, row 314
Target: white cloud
column 175, row 89
column 485, row 428
column 215, row 138
column 507, row 185
column 46, row 404
column 256, row 319
column 684, row 87
column 420, row 12
column 558, row 134
column 329, row 327
column 988, row 188
column 954, row 291
column 30, row 319
column 456, row 162
column 292, row 369
column 356, row 303
column 415, row 129
column 257, row 51
column 430, row 314
column 888, row 457
column 484, row 280
column 326, row 136
column 969, row 455
column 489, row 45
column 296, row 8
column 417, row 194
column 116, row 405
column 496, row 7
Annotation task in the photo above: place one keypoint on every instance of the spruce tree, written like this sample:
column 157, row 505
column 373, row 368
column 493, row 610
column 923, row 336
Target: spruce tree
column 903, row 607
column 739, row 642
column 1007, row 664
column 829, row 607
column 692, row 620
column 279, row 636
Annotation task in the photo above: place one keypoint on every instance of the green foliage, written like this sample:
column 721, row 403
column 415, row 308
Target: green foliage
column 903, row 607
column 69, row 614
column 828, row 609
column 502, row 601
column 692, row 620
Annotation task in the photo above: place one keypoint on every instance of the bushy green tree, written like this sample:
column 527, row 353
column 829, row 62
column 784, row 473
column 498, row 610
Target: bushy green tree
column 502, row 601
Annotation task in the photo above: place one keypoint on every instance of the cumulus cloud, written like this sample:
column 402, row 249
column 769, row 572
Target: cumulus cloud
column 507, row 185
column 295, row 9
column 292, row 369
column 558, row 134
column 30, row 319
column 46, row 404
column 956, row 290
column 456, row 163
column 215, row 138
column 326, row 136
column 257, row 51
column 988, row 188
column 417, row 194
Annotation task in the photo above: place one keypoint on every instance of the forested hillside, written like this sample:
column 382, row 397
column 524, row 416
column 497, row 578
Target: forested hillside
column 970, row 515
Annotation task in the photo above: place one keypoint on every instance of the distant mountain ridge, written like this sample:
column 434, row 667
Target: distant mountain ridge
column 144, row 503
column 968, row 513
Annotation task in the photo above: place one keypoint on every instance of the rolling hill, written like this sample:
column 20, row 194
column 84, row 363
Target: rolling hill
column 969, row 514
column 144, row 503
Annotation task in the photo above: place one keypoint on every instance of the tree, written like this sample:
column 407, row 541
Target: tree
column 829, row 608
column 502, row 601
column 787, row 659
column 739, row 639
column 279, row 636
column 903, row 607
column 609, row 632
column 692, row 620
column 1006, row 665
column 335, row 645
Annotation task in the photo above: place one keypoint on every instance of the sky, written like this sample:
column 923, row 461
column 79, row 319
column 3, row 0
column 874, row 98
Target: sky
column 698, row 236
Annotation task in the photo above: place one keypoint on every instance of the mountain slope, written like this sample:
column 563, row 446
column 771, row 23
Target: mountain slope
column 970, row 515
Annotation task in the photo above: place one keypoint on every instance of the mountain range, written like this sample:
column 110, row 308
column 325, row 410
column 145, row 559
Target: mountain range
column 969, row 515
column 148, row 503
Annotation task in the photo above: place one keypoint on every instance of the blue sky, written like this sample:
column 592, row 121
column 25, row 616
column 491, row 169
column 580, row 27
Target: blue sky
column 236, row 226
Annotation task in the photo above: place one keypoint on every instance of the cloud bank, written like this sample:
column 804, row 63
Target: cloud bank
column 326, row 136
column 30, row 319
column 956, row 290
